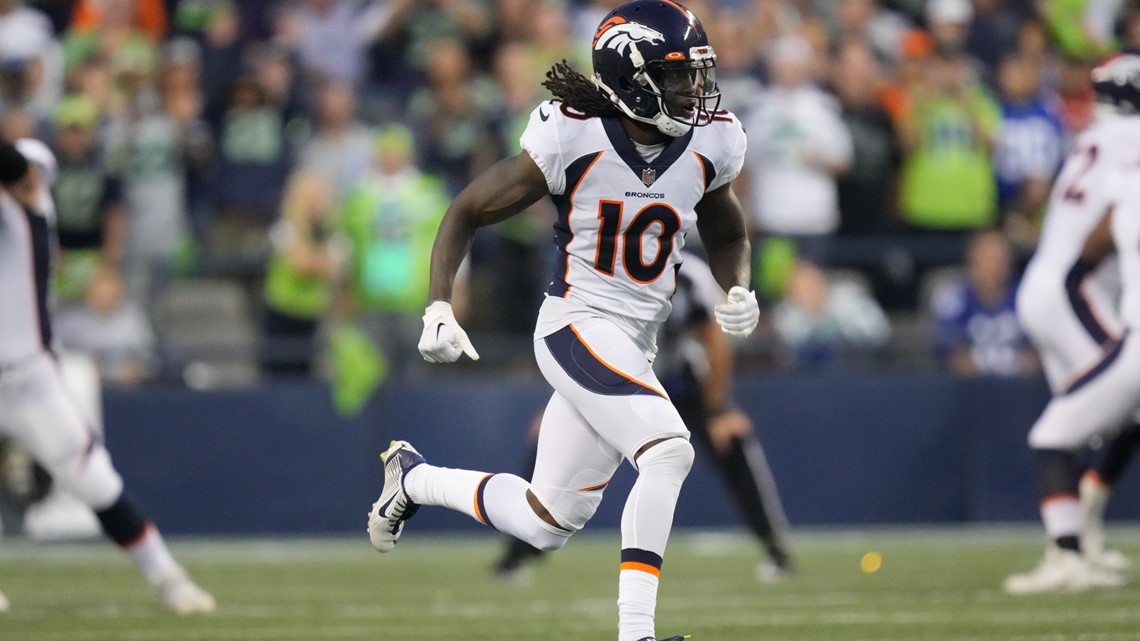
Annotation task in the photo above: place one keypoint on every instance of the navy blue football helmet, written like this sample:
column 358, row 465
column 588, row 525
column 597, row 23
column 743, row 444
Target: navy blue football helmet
column 654, row 62
column 1116, row 83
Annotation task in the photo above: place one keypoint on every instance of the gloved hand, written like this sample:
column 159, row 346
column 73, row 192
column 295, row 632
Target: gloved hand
column 443, row 339
column 738, row 317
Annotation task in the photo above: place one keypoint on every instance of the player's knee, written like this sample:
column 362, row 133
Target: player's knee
column 93, row 479
column 549, row 541
column 542, row 534
column 672, row 457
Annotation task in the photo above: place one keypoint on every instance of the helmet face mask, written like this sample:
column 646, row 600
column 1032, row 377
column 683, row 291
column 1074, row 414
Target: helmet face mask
column 687, row 92
column 1116, row 84
column 652, row 59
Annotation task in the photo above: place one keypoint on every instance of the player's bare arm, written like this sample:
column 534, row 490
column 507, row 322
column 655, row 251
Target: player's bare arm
column 720, row 222
column 505, row 189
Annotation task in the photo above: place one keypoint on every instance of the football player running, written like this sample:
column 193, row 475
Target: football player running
column 634, row 159
column 35, row 408
column 1066, row 305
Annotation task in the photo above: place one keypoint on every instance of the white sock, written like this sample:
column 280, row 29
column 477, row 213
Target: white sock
column 445, row 486
column 152, row 556
column 497, row 500
column 1062, row 516
column 637, row 601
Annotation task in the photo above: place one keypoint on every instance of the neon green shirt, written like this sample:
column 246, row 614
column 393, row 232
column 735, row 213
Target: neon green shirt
column 948, row 180
column 391, row 225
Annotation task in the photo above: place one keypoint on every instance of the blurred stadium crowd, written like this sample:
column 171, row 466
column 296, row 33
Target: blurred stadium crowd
column 251, row 189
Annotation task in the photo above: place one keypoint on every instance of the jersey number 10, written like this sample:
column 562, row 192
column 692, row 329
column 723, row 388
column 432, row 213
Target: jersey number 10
column 610, row 212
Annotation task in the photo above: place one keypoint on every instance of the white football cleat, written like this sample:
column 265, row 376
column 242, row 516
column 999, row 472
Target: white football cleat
column 1110, row 560
column 386, row 520
column 180, row 595
column 1062, row 571
column 3, row 603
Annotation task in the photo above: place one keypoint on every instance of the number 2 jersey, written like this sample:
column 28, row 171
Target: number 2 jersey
column 1065, row 303
column 622, row 219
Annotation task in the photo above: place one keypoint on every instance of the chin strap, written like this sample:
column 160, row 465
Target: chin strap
column 664, row 124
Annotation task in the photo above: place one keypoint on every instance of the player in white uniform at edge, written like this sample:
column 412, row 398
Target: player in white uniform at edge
column 35, row 408
column 634, row 161
column 1066, row 305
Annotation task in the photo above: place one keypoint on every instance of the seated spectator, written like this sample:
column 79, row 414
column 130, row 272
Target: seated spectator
column 976, row 327
column 111, row 329
column 1029, row 150
column 798, row 145
column 298, row 281
column 390, row 220
column 824, row 322
column 947, row 178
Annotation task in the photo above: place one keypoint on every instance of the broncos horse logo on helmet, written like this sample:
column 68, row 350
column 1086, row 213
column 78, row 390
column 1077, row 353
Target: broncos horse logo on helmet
column 619, row 35
column 652, row 59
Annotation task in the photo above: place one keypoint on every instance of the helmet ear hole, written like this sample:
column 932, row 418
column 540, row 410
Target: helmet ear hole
column 624, row 83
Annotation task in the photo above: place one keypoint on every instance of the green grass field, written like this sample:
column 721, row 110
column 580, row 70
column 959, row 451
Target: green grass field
column 933, row 584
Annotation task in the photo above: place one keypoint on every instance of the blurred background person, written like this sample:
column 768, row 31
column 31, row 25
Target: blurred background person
column 90, row 204
column 111, row 329
column 798, row 145
column 826, row 323
column 450, row 114
column 976, row 328
column 253, row 160
column 947, row 131
column 340, row 148
column 1028, row 151
column 389, row 220
column 31, row 61
column 866, row 192
column 300, row 278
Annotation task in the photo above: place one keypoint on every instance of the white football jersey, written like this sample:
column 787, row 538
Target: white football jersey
column 27, row 250
column 1079, row 197
column 1125, row 189
column 622, row 220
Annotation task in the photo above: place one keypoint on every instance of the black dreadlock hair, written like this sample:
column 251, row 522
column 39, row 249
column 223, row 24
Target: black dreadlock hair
column 578, row 92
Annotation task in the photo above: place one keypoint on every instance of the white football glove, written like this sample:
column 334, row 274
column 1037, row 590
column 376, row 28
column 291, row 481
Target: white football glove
column 443, row 339
column 738, row 317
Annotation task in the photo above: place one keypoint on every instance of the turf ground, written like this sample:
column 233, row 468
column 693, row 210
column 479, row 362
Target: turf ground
column 933, row 584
